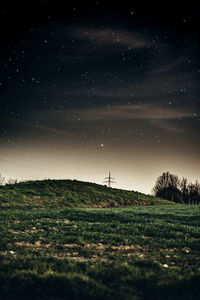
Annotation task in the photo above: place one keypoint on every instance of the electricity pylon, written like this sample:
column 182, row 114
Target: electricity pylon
column 109, row 180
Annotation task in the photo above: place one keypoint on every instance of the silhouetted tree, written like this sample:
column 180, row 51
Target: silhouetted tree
column 194, row 193
column 2, row 180
column 167, row 187
column 184, row 190
column 11, row 181
column 170, row 187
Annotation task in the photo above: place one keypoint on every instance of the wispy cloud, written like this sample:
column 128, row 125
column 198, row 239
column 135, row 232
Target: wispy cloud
column 125, row 112
column 102, row 37
column 164, row 118
column 66, row 122
column 167, row 125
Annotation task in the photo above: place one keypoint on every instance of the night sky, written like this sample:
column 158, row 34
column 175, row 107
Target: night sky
column 92, row 89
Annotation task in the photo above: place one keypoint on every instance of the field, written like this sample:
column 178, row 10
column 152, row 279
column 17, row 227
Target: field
column 129, row 252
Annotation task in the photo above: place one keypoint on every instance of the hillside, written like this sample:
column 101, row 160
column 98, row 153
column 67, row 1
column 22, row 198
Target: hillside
column 69, row 193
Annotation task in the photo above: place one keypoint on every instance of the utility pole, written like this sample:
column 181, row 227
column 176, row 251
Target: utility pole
column 109, row 180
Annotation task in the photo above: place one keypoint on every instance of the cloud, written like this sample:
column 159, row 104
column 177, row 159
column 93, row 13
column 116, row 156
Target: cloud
column 66, row 122
column 74, row 124
column 69, row 122
column 103, row 37
column 134, row 112
column 119, row 112
column 167, row 125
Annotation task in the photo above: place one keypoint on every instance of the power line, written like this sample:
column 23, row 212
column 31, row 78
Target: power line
column 22, row 165
column 109, row 180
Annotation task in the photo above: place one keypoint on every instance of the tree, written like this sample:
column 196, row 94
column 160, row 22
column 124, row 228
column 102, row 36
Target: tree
column 11, row 181
column 194, row 193
column 167, row 187
column 2, row 180
column 184, row 190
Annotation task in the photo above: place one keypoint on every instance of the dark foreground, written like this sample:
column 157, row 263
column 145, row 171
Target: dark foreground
column 127, row 253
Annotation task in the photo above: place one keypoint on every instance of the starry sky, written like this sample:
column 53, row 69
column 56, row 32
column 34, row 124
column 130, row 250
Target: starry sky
column 92, row 89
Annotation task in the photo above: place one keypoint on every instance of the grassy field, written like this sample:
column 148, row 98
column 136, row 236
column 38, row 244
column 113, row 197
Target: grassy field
column 69, row 193
column 138, row 252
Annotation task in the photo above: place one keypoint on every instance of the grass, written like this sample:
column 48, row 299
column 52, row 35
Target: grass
column 132, row 252
column 68, row 193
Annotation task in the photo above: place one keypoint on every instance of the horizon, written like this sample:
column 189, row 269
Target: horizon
column 118, row 185
column 85, row 91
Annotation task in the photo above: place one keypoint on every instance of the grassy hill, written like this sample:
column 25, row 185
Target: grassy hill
column 69, row 193
column 60, row 241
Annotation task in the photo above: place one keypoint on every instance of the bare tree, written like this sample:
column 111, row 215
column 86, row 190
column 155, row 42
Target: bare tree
column 2, row 180
column 184, row 190
column 12, row 180
column 194, row 193
column 167, row 187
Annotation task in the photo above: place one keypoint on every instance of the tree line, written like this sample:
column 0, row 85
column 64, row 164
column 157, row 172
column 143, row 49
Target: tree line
column 4, row 181
column 170, row 187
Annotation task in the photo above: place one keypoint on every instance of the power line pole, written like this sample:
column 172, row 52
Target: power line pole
column 109, row 180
